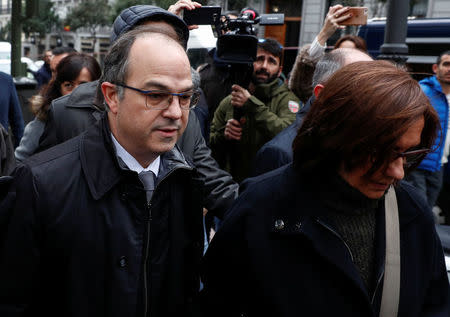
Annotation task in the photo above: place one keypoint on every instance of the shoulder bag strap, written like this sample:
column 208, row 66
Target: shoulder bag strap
column 391, row 283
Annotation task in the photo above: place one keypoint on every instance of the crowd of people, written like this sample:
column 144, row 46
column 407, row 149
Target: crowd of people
column 103, row 211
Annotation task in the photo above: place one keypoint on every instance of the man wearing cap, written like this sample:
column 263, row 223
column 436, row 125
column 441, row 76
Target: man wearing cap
column 247, row 119
column 73, row 114
column 110, row 222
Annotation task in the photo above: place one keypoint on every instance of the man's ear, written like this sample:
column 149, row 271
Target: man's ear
column 318, row 89
column 111, row 96
column 434, row 68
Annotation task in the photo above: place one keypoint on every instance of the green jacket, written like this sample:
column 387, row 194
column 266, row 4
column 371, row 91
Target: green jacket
column 269, row 110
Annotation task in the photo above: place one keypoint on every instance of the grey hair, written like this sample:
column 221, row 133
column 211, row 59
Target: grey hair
column 195, row 78
column 327, row 66
column 117, row 60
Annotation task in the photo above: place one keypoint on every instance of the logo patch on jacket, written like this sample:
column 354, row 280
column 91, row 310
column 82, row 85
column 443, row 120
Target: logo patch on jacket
column 293, row 106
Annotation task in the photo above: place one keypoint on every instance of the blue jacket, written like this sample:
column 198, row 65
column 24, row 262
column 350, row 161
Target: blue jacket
column 278, row 151
column 10, row 110
column 432, row 88
column 276, row 255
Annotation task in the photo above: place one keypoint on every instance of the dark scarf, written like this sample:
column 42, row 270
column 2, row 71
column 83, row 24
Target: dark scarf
column 353, row 216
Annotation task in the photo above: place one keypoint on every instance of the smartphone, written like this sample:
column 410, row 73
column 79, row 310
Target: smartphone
column 359, row 16
column 206, row 15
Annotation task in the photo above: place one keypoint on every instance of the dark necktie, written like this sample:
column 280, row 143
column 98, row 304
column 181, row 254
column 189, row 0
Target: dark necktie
column 148, row 180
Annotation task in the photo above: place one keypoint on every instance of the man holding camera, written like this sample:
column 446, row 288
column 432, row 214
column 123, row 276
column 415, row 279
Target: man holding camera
column 248, row 118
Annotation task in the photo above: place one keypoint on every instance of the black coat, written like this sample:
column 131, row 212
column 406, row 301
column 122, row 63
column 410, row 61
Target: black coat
column 82, row 240
column 74, row 113
column 275, row 255
column 278, row 151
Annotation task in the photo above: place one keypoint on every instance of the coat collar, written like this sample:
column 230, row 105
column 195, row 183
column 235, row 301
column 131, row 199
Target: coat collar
column 432, row 82
column 268, row 91
column 101, row 166
column 301, row 214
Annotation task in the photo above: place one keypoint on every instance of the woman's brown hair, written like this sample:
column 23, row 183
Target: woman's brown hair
column 359, row 42
column 360, row 115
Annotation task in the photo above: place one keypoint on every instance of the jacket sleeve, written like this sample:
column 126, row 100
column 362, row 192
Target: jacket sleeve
column 15, row 115
column 269, row 158
column 218, row 123
column 19, row 257
column 268, row 122
column 220, row 188
column 437, row 298
column 30, row 140
column 223, row 270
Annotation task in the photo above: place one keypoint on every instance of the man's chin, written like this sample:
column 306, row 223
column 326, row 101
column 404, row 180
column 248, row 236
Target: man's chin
column 260, row 81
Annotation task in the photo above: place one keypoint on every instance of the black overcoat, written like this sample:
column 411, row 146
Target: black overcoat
column 276, row 255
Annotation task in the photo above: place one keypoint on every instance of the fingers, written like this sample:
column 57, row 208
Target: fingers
column 340, row 16
column 239, row 96
column 236, row 87
column 183, row 5
column 336, row 15
column 233, row 130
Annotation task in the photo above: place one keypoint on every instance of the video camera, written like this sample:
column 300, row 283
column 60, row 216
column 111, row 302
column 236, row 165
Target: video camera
column 237, row 42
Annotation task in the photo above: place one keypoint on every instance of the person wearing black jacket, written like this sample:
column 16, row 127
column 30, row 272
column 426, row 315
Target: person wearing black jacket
column 109, row 223
column 72, row 114
column 311, row 238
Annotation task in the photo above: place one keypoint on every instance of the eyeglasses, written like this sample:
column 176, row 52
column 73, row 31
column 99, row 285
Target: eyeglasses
column 411, row 158
column 160, row 99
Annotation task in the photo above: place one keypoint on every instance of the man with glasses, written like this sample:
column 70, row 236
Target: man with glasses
column 248, row 118
column 110, row 222
column 74, row 113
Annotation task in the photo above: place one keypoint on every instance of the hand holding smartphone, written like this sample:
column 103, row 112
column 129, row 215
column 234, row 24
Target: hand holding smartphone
column 359, row 16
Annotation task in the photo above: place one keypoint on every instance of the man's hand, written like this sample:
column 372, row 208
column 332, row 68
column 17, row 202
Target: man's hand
column 181, row 5
column 233, row 130
column 239, row 96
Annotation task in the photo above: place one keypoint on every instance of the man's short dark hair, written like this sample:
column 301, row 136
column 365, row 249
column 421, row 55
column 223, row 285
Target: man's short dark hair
column 358, row 117
column 63, row 50
column 272, row 46
column 439, row 59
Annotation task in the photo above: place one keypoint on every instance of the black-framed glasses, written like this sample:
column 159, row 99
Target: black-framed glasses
column 161, row 99
column 411, row 158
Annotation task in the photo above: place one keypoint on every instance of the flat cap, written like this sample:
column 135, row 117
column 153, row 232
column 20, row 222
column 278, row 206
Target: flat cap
column 134, row 15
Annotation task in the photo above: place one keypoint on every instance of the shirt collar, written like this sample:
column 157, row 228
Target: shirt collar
column 132, row 163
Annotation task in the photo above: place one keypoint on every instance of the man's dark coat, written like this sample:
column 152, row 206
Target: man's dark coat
column 82, row 240
column 278, row 151
column 72, row 114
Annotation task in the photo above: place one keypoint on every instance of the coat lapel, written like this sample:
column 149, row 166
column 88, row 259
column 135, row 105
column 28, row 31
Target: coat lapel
column 300, row 216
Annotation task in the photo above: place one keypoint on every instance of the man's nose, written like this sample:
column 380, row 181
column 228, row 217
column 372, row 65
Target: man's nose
column 395, row 169
column 264, row 64
column 174, row 110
